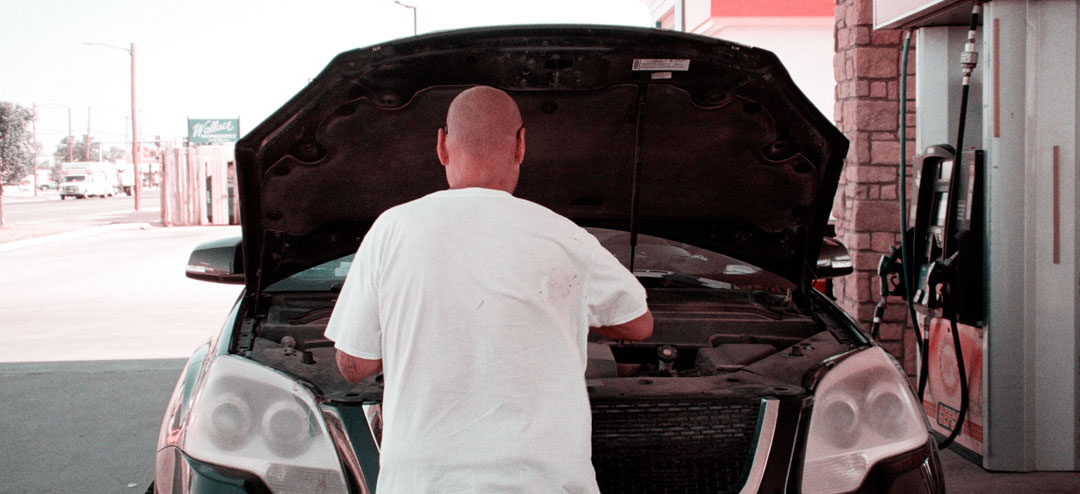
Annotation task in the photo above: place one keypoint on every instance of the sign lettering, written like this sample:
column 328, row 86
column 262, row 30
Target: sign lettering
column 213, row 130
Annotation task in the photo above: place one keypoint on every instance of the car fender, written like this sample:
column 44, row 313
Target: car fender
column 183, row 396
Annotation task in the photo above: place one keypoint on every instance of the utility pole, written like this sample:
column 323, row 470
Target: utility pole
column 34, row 127
column 134, row 132
column 134, row 125
column 69, row 135
column 86, row 140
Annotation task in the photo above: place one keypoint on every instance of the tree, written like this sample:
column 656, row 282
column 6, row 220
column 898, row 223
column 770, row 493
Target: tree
column 78, row 150
column 16, row 146
column 115, row 153
column 16, row 142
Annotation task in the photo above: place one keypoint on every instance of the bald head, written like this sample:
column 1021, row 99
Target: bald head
column 483, row 143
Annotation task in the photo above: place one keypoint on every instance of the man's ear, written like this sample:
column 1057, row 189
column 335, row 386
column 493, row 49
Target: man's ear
column 519, row 151
column 440, row 148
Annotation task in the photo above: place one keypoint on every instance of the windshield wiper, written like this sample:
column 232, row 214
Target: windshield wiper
column 684, row 279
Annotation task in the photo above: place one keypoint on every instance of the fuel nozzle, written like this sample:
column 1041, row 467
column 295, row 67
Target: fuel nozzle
column 969, row 58
column 934, row 282
column 890, row 268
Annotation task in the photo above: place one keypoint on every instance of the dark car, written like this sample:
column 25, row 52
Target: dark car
column 695, row 160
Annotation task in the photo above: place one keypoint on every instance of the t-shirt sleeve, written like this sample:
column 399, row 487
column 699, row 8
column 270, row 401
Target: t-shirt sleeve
column 354, row 324
column 613, row 294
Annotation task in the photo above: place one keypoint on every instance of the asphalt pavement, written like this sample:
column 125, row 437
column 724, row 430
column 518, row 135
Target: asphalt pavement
column 86, row 427
column 30, row 216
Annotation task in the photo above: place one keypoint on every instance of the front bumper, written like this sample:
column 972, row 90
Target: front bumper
column 916, row 472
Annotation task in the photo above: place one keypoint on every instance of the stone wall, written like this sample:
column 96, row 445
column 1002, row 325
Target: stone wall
column 867, row 208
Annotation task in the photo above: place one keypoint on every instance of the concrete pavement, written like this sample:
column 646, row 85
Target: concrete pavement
column 964, row 477
column 73, row 425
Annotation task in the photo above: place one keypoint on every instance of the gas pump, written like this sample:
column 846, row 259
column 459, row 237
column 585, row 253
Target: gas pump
column 992, row 255
column 938, row 269
column 945, row 265
column 946, row 261
column 947, row 236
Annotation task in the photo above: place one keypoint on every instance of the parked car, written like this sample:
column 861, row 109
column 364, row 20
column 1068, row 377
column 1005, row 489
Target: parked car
column 696, row 161
column 47, row 186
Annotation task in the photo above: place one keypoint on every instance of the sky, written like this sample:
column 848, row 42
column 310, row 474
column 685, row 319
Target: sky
column 216, row 58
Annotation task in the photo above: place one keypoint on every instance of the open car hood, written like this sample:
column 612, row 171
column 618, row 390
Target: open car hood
column 678, row 136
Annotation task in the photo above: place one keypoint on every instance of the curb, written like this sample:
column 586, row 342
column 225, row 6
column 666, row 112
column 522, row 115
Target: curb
column 92, row 366
column 12, row 195
column 82, row 232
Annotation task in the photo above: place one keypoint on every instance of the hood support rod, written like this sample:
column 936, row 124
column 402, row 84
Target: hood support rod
column 636, row 184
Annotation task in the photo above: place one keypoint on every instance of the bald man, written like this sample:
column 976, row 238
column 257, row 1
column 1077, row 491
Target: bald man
column 476, row 306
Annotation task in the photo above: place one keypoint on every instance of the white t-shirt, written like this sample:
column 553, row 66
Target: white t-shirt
column 479, row 305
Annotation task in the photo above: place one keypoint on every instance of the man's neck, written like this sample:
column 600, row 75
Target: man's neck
column 494, row 183
column 503, row 189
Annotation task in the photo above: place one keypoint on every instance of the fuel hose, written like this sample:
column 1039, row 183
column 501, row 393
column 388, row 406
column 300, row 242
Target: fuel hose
column 968, row 60
column 905, row 274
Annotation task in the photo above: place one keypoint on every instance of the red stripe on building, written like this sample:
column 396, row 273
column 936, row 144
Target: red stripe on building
column 773, row 8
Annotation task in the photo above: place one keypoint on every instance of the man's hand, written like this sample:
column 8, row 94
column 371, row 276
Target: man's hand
column 637, row 329
column 356, row 368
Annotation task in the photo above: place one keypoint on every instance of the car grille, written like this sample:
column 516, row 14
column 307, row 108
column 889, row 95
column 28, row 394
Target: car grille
column 698, row 447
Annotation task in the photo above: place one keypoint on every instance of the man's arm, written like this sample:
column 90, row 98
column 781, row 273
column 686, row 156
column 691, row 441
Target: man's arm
column 636, row 329
column 356, row 368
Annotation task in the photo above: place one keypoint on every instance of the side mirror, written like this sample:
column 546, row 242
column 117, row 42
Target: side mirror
column 834, row 260
column 217, row 261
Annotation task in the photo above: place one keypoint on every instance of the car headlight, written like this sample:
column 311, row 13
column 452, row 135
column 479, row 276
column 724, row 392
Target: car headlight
column 864, row 411
column 253, row 418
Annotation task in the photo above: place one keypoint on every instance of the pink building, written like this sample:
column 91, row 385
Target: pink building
column 800, row 32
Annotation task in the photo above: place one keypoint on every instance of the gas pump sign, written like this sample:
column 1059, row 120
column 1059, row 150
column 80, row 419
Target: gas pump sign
column 941, row 402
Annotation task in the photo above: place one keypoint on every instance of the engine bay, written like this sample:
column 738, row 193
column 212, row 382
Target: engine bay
column 701, row 339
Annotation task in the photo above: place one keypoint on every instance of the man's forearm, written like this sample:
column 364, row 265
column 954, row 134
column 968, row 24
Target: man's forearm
column 356, row 368
column 637, row 329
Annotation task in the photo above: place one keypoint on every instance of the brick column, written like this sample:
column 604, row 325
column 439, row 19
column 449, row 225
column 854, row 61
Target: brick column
column 867, row 208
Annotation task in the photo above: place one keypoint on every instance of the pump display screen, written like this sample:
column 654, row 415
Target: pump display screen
column 941, row 208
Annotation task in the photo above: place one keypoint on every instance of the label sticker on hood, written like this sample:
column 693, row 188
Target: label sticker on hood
column 662, row 64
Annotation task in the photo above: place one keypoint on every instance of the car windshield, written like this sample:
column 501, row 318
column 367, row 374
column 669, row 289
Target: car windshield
column 657, row 261
column 75, row 178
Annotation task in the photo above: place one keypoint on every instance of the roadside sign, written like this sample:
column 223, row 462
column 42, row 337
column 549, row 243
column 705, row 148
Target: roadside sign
column 213, row 130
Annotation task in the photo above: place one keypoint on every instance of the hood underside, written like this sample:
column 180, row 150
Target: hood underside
column 678, row 136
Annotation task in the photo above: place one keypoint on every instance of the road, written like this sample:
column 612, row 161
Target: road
column 96, row 324
column 50, row 208
column 27, row 216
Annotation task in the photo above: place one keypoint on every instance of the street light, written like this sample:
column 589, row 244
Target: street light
column 413, row 15
column 134, row 126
